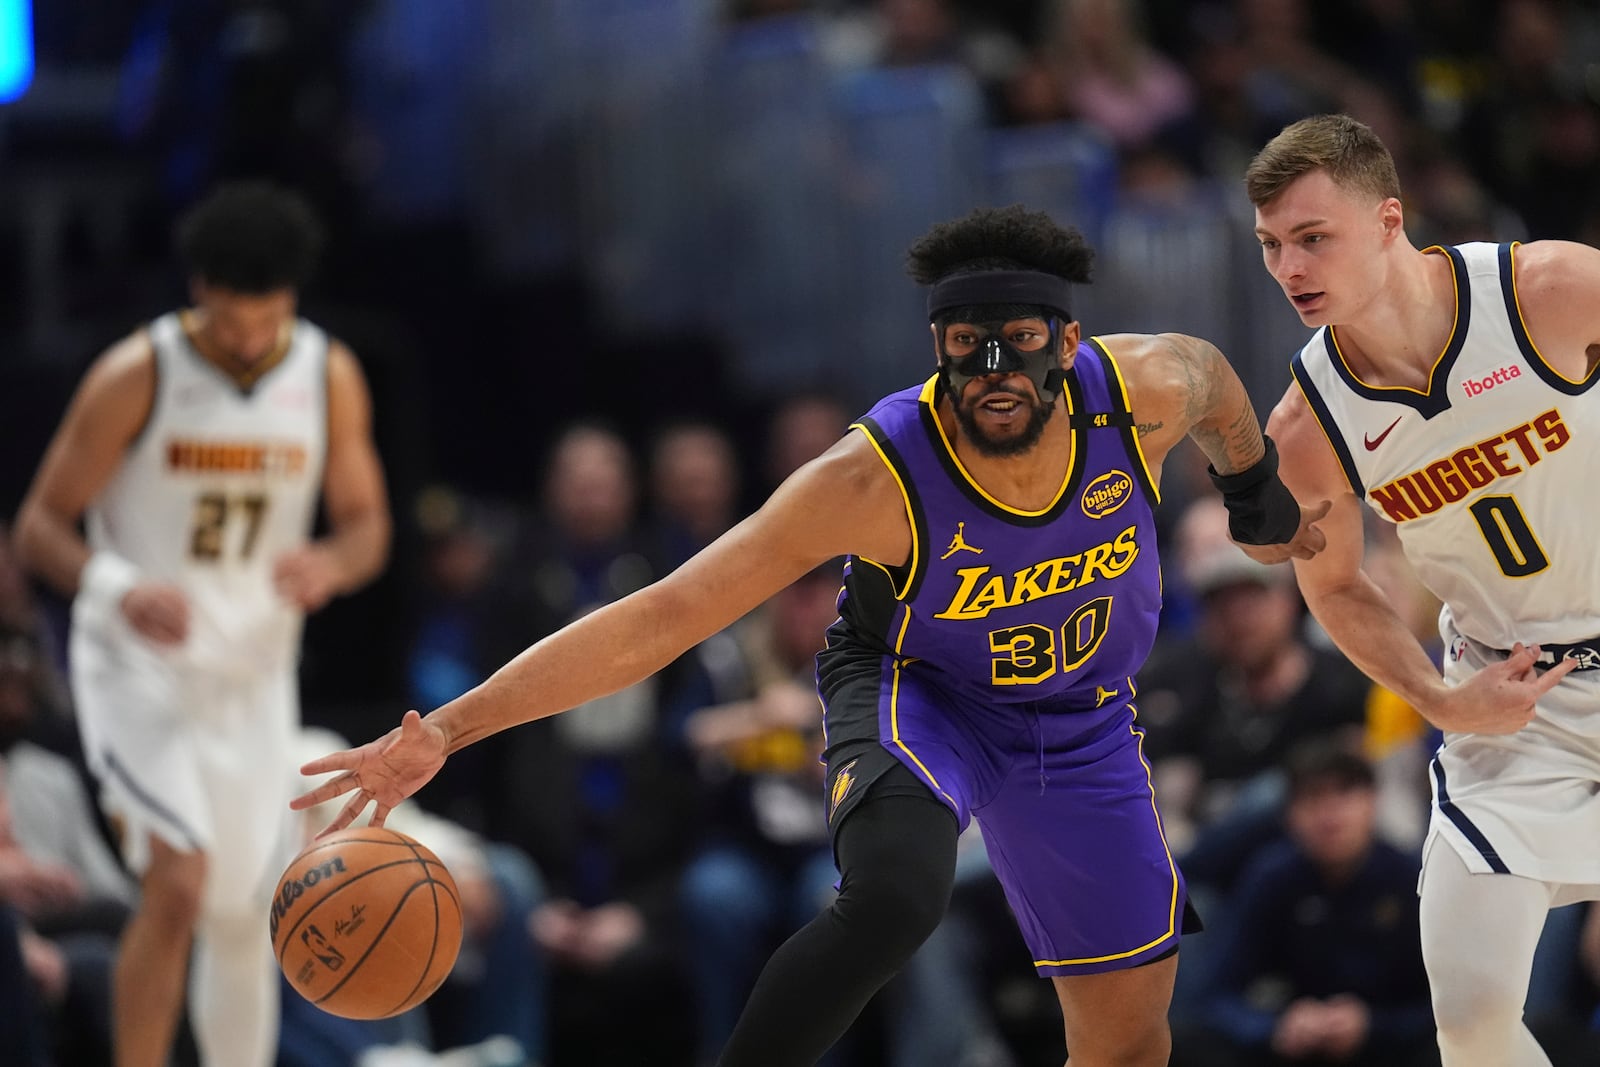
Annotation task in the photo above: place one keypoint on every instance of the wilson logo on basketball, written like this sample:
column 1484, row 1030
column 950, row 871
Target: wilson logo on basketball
column 1107, row 493
column 293, row 889
column 1501, row 375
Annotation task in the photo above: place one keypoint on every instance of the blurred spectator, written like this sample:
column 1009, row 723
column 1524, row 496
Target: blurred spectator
column 580, row 549
column 57, row 869
column 1321, row 960
column 1096, row 65
column 67, row 941
column 694, row 489
column 19, row 1000
column 802, row 426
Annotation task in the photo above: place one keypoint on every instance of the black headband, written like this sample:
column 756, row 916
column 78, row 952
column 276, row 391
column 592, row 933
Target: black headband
column 1000, row 287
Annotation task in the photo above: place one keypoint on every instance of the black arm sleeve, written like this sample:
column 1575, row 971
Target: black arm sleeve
column 1261, row 510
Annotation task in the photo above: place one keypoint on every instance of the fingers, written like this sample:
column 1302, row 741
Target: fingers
column 347, row 814
column 380, row 813
column 324, row 792
column 343, row 760
column 1551, row 677
column 1522, row 657
column 1312, row 514
column 411, row 724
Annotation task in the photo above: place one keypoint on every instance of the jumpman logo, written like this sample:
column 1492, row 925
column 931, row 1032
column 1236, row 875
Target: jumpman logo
column 958, row 543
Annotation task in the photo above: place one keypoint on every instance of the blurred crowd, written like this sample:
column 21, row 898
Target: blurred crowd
column 606, row 304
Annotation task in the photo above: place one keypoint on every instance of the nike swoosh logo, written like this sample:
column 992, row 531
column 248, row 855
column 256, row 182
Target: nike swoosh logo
column 1371, row 443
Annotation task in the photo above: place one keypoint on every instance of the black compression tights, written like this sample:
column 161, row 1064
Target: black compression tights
column 897, row 854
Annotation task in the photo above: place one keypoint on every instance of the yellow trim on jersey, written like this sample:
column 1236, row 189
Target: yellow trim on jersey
column 930, row 394
column 1455, row 326
column 894, row 709
column 1172, row 907
column 1122, row 389
column 911, row 519
column 1516, row 299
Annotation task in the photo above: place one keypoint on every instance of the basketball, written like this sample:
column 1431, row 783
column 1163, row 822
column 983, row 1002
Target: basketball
column 366, row 923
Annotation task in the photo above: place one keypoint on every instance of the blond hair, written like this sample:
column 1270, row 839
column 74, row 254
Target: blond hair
column 1350, row 153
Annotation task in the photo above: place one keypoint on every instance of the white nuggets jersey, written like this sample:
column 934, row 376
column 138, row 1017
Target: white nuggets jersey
column 220, row 482
column 1483, row 473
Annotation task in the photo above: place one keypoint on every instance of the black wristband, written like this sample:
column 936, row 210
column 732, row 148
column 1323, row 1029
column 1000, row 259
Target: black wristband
column 1261, row 510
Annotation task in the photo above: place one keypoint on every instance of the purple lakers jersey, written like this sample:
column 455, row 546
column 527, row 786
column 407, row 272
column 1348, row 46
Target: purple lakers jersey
column 1056, row 607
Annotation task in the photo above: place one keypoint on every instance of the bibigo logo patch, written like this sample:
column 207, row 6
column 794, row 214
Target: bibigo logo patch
column 1107, row 493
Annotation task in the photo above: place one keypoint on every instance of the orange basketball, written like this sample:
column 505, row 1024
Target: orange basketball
column 366, row 923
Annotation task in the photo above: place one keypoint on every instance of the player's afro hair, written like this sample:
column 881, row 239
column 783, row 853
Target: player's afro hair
column 1006, row 238
column 251, row 237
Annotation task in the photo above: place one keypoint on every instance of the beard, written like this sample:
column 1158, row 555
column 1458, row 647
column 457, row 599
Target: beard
column 1015, row 444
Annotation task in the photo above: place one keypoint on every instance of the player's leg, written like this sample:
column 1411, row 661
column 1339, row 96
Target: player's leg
column 1076, row 841
column 897, row 853
column 1119, row 1018
column 147, row 984
column 1479, row 932
column 233, row 992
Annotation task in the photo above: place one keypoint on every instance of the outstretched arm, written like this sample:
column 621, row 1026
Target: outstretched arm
column 842, row 503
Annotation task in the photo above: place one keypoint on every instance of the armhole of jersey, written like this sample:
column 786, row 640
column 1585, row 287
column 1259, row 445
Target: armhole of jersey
column 155, row 387
column 903, row 579
column 1519, row 330
column 1330, row 429
column 1117, row 389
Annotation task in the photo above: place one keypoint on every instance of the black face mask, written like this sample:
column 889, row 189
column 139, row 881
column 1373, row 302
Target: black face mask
column 996, row 355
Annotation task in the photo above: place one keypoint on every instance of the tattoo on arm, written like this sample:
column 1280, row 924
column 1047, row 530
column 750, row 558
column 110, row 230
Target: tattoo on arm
column 1149, row 427
column 1218, row 410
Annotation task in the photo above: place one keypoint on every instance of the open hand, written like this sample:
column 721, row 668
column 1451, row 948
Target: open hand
column 383, row 772
column 307, row 577
column 1307, row 542
column 158, row 612
column 1499, row 699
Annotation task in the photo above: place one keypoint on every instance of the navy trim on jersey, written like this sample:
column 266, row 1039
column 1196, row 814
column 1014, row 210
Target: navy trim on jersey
column 900, row 577
column 151, row 804
column 1519, row 330
column 1465, row 825
column 1330, row 429
column 1436, row 400
column 1122, row 419
column 1080, row 455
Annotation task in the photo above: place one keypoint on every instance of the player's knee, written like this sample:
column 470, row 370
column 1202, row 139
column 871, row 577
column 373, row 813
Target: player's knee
column 901, row 906
column 173, row 887
column 1134, row 1039
column 1476, row 1005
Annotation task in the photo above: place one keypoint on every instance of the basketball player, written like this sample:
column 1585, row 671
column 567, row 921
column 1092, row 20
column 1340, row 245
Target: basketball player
column 196, row 448
column 1449, row 389
column 1001, row 591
